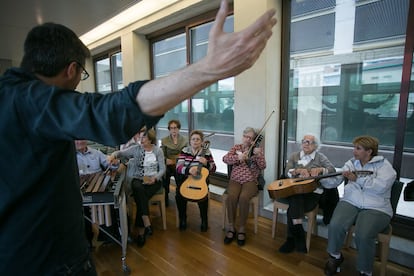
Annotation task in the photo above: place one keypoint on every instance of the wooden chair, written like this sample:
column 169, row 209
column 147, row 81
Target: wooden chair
column 254, row 202
column 159, row 199
column 310, row 215
column 383, row 238
column 177, row 216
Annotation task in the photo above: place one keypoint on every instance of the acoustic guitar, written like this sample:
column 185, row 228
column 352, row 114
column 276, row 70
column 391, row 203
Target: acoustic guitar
column 290, row 186
column 195, row 188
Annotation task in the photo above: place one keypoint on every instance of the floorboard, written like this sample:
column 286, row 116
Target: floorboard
column 191, row 252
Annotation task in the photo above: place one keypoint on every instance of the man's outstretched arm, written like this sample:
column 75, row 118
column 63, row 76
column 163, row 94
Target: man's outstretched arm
column 228, row 55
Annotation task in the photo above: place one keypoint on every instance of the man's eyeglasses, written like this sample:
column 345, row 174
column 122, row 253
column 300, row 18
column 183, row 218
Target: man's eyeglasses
column 308, row 142
column 84, row 74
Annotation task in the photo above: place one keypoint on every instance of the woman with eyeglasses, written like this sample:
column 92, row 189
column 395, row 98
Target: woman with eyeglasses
column 243, row 184
column 171, row 146
column 304, row 163
column 188, row 165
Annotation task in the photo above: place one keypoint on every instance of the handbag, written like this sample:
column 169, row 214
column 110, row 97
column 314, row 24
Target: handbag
column 261, row 182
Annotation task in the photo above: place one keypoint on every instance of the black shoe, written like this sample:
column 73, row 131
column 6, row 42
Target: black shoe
column 204, row 226
column 332, row 265
column 300, row 245
column 241, row 239
column 299, row 238
column 288, row 246
column 141, row 240
column 183, row 225
column 227, row 239
column 148, row 231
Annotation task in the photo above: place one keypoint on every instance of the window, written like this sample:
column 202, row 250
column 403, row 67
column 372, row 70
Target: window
column 300, row 8
column 390, row 15
column 108, row 72
column 169, row 55
column 313, row 33
column 353, row 86
column 210, row 110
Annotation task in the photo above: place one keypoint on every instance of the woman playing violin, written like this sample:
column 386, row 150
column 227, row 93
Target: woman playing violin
column 247, row 162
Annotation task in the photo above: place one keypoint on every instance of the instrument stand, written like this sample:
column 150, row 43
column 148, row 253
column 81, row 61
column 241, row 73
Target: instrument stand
column 119, row 202
column 125, row 267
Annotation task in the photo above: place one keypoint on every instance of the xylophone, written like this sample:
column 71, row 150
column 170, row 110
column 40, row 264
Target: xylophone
column 99, row 192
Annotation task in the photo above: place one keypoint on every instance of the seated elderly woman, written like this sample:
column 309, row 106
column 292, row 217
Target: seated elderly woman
column 366, row 203
column 147, row 168
column 308, row 162
column 247, row 162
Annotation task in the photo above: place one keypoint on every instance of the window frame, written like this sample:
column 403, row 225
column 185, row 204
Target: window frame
column 106, row 55
column 403, row 226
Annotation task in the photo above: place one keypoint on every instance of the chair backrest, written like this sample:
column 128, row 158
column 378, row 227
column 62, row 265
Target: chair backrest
column 409, row 191
column 395, row 194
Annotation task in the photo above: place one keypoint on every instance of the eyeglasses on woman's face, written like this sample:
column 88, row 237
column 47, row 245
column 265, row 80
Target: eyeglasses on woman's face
column 307, row 142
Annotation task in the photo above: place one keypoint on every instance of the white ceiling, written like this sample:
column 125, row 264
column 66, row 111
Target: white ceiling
column 18, row 17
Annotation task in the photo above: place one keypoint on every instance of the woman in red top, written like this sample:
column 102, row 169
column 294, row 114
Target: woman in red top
column 243, row 184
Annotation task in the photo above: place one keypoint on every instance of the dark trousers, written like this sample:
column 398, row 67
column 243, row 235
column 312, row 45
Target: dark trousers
column 170, row 171
column 82, row 266
column 142, row 194
column 182, row 206
column 299, row 205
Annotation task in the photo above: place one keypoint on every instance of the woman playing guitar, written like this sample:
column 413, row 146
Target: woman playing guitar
column 194, row 164
column 304, row 163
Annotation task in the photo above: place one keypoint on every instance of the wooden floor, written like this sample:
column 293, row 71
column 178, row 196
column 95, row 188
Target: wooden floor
column 192, row 252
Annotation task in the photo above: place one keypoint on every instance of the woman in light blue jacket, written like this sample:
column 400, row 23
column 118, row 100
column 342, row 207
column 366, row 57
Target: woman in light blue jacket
column 366, row 203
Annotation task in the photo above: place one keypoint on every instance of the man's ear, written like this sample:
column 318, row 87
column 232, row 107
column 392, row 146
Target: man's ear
column 72, row 70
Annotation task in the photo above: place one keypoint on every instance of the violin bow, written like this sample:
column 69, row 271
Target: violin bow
column 260, row 131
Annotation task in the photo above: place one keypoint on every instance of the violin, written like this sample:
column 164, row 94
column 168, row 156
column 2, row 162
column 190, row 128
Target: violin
column 255, row 144
column 257, row 140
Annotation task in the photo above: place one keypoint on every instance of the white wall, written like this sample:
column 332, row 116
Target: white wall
column 258, row 89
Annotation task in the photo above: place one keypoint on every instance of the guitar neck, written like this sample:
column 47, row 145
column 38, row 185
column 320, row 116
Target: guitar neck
column 200, row 165
column 332, row 175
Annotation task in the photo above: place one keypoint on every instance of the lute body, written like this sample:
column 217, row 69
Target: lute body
column 290, row 186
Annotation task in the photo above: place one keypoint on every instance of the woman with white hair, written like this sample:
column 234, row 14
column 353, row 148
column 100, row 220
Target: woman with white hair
column 247, row 162
column 304, row 163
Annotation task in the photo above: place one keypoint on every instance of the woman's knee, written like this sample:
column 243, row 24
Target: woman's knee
column 243, row 200
column 335, row 226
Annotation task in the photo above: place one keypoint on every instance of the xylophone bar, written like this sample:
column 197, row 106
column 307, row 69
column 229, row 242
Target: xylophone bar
column 108, row 218
column 101, row 214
